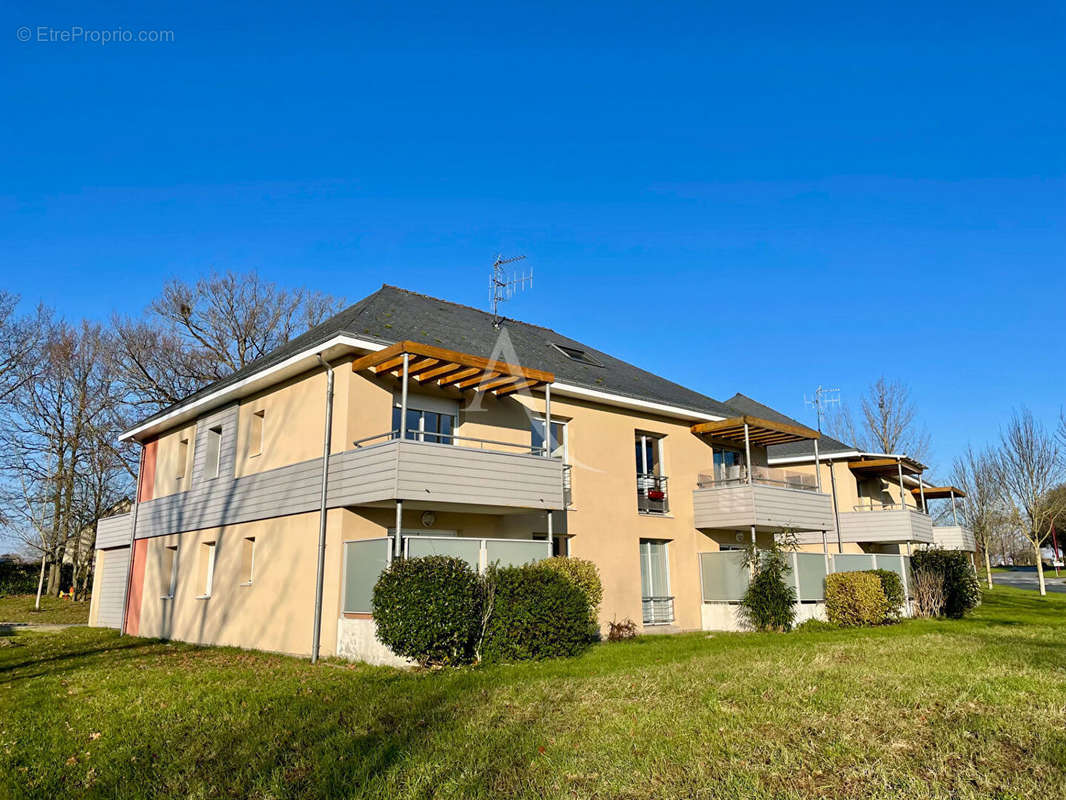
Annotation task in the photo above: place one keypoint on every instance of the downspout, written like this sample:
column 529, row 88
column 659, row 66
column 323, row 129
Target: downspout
column 133, row 542
column 327, row 442
column 836, row 509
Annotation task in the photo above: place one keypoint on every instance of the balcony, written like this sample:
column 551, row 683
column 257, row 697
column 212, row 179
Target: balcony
column 652, row 497
column 460, row 470
column 772, row 500
column 954, row 537
column 891, row 524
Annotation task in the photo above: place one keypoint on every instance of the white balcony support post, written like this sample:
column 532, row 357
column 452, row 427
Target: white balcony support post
column 825, row 551
column 954, row 513
column 550, row 532
column 548, row 424
column 403, row 407
column 399, row 525
column 906, row 588
column 796, row 576
column 902, row 496
column 921, row 490
column 753, row 536
column 817, row 467
column 747, row 461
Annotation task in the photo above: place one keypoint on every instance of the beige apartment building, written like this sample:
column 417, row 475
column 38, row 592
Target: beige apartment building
column 269, row 502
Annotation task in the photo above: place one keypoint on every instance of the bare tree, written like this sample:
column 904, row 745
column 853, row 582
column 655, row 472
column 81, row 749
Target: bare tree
column 976, row 474
column 1029, row 465
column 57, row 456
column 887, row 421
column 19, row 338
column 196, row 333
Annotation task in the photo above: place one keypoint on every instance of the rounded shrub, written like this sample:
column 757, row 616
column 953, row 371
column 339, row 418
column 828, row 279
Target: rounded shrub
column 962, row 592
column 585, row 576
column 769, row 604
column 855, row 598
column 892, row 586
column 429, row 609
column 533, row 612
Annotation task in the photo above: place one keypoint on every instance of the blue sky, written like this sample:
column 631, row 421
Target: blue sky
column 753, row 198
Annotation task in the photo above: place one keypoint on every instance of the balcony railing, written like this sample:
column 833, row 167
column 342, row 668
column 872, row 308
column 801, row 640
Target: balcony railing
column 651, row 494
column 658, row 610
column 872, row 505
column 767, row 476
column 451, row 439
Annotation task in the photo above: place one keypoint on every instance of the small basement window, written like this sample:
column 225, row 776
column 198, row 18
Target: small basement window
column 576, row 354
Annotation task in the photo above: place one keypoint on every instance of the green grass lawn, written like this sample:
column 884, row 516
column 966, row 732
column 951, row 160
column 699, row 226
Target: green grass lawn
column 974, row 708
column 20, row 608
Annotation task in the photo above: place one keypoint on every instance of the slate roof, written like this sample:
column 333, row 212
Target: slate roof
column 826, row 444
column 392, row 314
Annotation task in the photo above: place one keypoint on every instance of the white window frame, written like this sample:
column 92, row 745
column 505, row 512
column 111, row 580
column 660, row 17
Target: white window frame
column 258, row 445
column 644, row 436
column 212, row 431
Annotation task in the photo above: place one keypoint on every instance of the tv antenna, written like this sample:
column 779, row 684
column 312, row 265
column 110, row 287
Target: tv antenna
column 503, row 285
column 821, row 400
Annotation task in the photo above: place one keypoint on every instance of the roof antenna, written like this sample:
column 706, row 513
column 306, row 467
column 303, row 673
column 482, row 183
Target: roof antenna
column 821, row 399
column 503, row 285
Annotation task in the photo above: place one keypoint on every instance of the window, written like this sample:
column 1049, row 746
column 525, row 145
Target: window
column 728, row 465
column 577, row 354
column 560, row 544
column 214, row 452
column 205, row 568
column 168, row 571
column 557, row 446
column 183, row 459
column 425, row 426
column 651, row 483
column 255, row 433
column 657, row 604
column 247, row 561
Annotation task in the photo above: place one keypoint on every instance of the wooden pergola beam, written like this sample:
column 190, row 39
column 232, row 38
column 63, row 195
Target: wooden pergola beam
column 517, row 386
column 444, row 355
column 888, row 466
column 939, row 492
column 760, row 431
column 437, row 372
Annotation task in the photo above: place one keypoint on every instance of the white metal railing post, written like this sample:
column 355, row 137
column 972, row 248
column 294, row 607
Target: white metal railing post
column 817, row 466
column 483, row 558
column 906, row 584
column 547, row 420
column 921, row 490
column 403, row 399
column 902, row 496
column 954, row 514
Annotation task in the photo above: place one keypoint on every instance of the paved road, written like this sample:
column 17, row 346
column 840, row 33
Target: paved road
column 1029, row 580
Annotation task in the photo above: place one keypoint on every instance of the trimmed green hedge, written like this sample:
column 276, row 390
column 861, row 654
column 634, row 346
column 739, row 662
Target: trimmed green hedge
column 429, row 609
column 535, row 612
column 585, row 576
column 855, row 598
column 892, row 586
column 962, row 592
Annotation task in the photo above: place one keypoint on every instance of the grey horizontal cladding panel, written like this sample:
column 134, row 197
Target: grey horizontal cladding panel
column 114, row 531
column 953, row 537
column 724, row 508
column 110, row 586
column 799, row 510
column 885, row 526
column 462, row 475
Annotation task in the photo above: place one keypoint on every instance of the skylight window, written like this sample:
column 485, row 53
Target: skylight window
column 574, row 354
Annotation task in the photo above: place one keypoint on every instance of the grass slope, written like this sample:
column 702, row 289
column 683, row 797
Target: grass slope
column 975, row 708
column 20, row 608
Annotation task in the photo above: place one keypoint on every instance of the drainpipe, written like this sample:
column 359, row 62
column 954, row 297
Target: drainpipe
column 327, row 441
column 836, row 509
column 133, row 541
